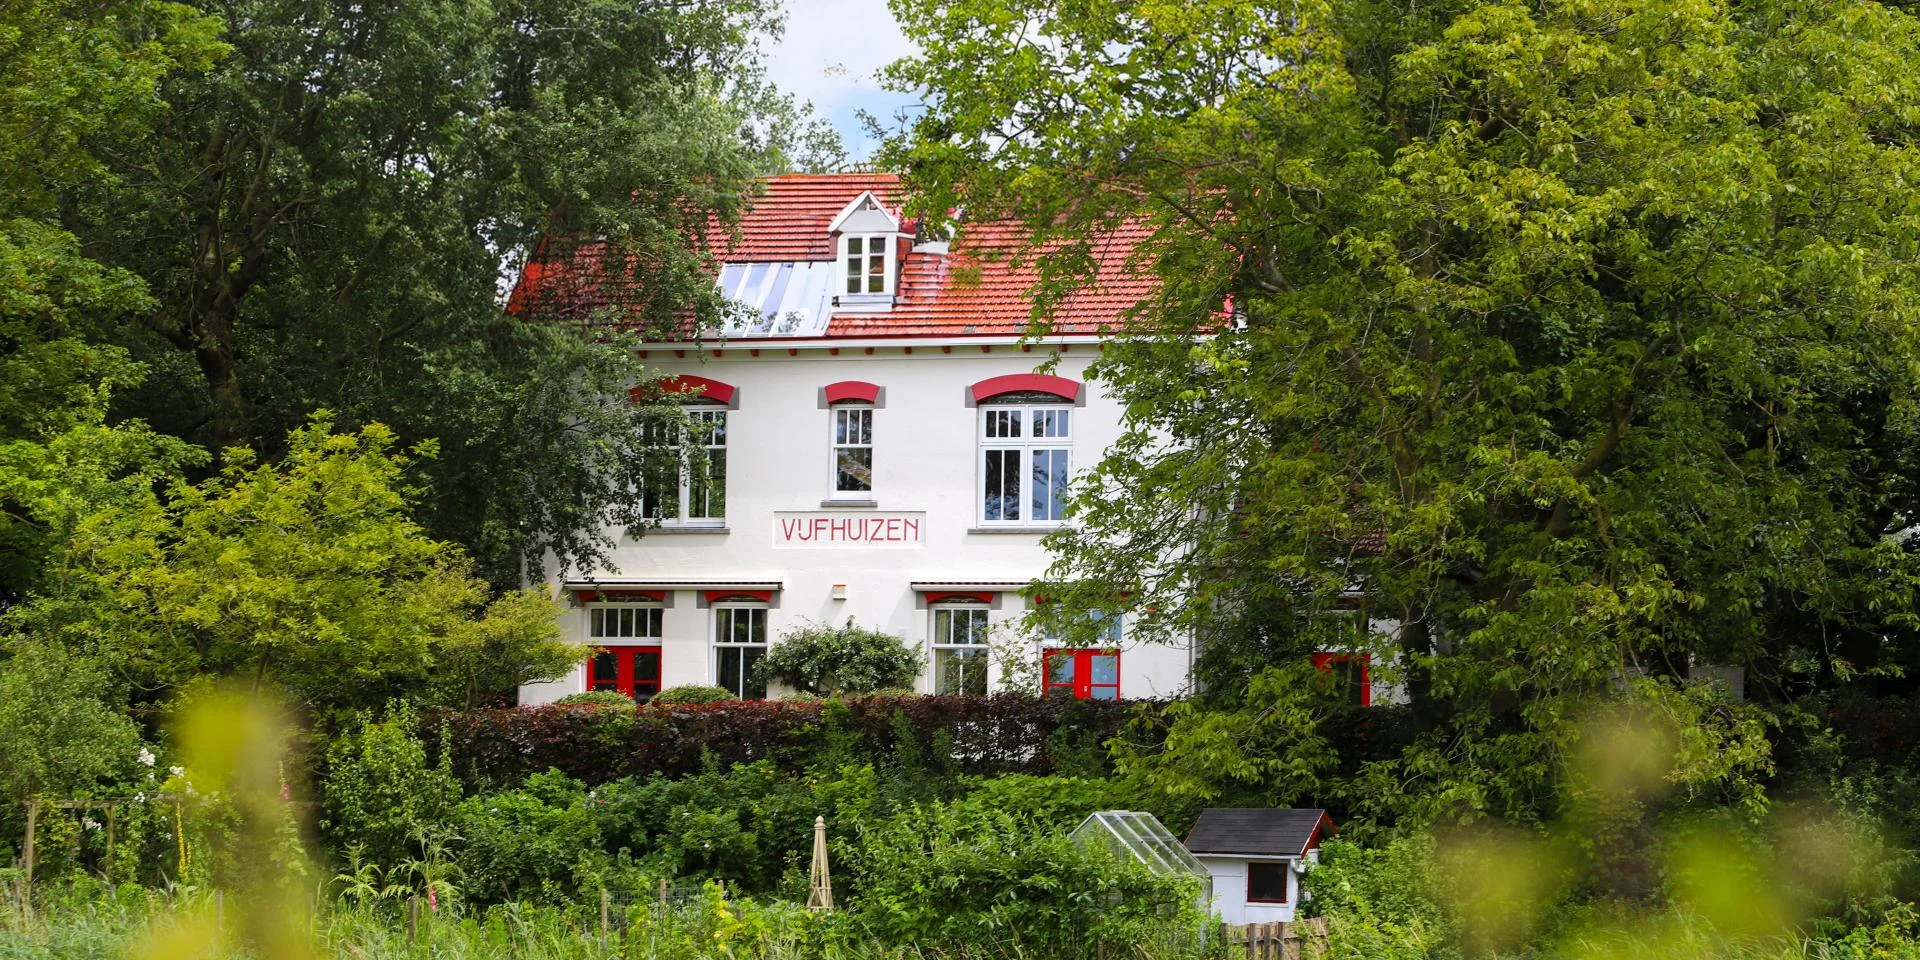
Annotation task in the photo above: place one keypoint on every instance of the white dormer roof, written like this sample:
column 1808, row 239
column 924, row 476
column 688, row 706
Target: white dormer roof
column 864, row 214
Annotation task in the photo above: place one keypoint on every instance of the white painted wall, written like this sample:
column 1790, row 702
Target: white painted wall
column 1230, row 893
column 926, row 460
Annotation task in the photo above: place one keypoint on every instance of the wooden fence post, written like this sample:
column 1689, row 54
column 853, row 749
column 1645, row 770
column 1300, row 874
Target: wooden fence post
column 603, row 919
column 33, row 818
column 413, row 919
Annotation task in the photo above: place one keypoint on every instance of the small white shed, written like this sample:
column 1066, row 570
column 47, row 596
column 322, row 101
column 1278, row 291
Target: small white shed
column 1257, row 857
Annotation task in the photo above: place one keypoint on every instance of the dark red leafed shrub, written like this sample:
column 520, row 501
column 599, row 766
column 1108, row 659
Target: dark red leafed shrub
column 974, row 735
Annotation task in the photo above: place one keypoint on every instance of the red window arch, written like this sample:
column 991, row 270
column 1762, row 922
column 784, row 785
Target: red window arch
column 1065, row 389
column 847, row 391
column 703, row 388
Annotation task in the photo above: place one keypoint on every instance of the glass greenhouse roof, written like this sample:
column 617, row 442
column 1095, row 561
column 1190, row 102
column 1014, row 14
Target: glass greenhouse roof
column 1142, row 836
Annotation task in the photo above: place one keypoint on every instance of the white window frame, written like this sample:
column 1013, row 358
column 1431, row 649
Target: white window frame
column 724, row 613
column 715, row 446
column 1060, row 417
column 937, row 642
column 865, row 272
column 644, row 615
column 839, row 413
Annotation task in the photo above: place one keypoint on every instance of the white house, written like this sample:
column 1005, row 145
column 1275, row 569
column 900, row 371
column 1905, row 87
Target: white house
column 1257, row 857
column 882, row 445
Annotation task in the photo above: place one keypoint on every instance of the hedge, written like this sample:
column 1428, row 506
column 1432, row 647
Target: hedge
column 963, row 735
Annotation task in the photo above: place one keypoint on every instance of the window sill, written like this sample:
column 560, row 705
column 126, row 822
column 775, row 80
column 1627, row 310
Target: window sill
column 851, row 504
column 1029, row 531
column 677, row 529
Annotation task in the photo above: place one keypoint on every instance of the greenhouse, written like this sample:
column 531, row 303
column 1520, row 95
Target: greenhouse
column 1143, row 837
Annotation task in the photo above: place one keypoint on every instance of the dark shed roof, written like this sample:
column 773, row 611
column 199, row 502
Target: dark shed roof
column 1257, row 831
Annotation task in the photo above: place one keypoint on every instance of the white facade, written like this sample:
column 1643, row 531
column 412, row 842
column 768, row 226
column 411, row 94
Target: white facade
column 1231, row 900
column 793, row 545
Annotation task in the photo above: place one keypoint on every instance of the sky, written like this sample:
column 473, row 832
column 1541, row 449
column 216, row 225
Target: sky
column 829, row 55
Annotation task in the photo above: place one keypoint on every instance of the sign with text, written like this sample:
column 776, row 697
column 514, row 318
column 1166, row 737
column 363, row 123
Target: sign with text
column 848, row 530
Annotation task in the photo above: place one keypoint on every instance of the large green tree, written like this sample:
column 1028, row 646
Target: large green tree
column 1577, row 336
column 328, row 217
column 79, row 83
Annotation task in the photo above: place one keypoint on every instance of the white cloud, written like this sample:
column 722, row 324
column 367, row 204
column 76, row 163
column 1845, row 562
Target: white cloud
column 830, row 55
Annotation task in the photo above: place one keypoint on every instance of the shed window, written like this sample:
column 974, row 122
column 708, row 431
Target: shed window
column 1267, row 882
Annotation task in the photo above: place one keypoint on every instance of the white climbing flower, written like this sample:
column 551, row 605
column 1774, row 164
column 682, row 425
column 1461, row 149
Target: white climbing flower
column 90, row 823
column 177, row 771
column 146, row 757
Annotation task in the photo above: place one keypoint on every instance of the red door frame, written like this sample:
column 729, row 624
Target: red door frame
column 623, row 678
column 1082, row 684
column 1324, row 663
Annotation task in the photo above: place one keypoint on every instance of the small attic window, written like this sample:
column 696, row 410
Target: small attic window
column 869, row 263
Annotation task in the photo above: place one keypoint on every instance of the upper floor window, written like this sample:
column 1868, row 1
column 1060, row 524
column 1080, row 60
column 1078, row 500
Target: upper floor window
column 852, row 450
column 1026, row 451
column 869, row 262
column 691, row 486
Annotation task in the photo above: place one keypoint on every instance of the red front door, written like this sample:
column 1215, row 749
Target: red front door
column 634, row 671
column 1082, row 674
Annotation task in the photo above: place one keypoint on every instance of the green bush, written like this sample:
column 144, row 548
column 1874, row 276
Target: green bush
column 57, row 736
column 824, row 660
column 963, row 879
column 380, row 792
column 596, row 698
column 695, row 693
column 530, row 843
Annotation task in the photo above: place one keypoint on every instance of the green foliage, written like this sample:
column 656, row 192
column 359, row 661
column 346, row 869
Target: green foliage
column 746, row 825
column 527, row 843
column 823, row 660
column 309, row 575
column 973, row 879
column 62, row 731
column 381, row 793
column 597, row 698
column 78, row 83
column 1579, row 338
column 323, row 218
column 694, row 693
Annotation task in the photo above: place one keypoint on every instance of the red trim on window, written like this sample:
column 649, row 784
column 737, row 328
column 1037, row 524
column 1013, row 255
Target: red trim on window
column 1287, row 870
column 1061, row 387
column 1081, row 685
column 705, row 388
column 626, row 676
column 1324, row 662
column 715, row 596
column 981, row 596
column 851, row 390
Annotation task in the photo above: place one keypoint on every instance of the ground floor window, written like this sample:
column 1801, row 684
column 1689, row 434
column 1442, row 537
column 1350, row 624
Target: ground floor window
column 1082, row 674
column 634, row 671
column 1266, row 882
column 960, row 650
column 1351, row 673
column 739, row 642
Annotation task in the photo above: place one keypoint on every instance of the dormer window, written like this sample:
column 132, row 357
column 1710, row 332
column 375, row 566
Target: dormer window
column 866, row 236
column 869, row 263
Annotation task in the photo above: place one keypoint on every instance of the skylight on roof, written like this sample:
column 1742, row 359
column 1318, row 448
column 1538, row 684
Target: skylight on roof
column 792, row 299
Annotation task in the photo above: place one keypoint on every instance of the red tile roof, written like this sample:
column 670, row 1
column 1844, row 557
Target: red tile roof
column 974, row 290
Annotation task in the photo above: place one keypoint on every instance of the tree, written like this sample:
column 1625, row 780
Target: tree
column 1579, row 336
column 307, row 576
column 78, row 83
column 824, row 660
column 62, row 731
column 328, row 217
